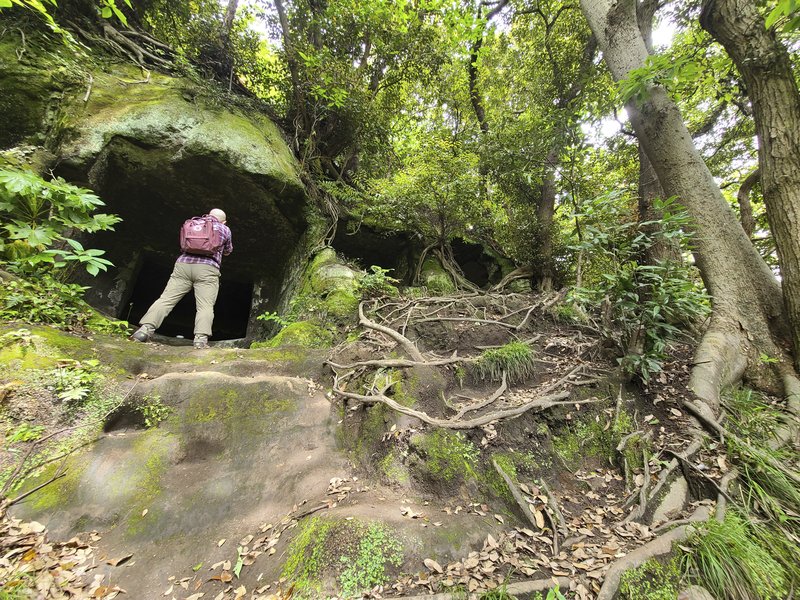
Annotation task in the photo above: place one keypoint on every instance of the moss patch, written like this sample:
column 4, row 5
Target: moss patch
column 304, row 334
column 591, row 437
column 340, row 557
column 651, row 581
column 393, row 468
column 445, row 456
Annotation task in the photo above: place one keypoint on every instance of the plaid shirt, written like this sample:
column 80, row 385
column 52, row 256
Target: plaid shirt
column 216, row 260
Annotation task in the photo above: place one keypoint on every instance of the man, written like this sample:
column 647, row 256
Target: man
column 191, row 271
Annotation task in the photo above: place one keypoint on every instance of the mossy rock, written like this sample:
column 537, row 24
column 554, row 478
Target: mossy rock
column 435, row 278
column 304, row 334
column 342, row 304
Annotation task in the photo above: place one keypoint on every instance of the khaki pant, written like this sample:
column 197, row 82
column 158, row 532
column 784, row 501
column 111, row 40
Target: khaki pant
column 205, row 281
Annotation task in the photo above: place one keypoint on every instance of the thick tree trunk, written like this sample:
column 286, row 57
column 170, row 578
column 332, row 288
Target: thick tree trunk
column 767, row 71
column 745, row 294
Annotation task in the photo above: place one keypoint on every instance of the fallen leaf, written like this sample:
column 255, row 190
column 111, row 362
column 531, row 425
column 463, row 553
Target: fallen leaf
column 432, row 565
column 144, row 512
column 119, row 561
column 539, row 518
column 219, row 543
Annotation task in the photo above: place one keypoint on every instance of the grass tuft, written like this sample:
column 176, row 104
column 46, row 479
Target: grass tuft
column 516, row 359
column 729, row 560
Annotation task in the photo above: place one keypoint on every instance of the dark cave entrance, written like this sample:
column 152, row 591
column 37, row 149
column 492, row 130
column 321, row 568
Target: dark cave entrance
column 231, row 312
column 154, row 190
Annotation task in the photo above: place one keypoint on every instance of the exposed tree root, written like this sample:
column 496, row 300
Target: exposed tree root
column 522, row 503
column 519, row 587
column 142, row 55
column 399, row 363
column 540, row 403
column 723, row 433
column 657, row 547
column 720, row 361
column 520, row 273
column 483, row 403
column 404, row 342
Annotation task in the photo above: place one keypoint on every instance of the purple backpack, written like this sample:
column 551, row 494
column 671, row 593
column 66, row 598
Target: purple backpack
column 199, row 236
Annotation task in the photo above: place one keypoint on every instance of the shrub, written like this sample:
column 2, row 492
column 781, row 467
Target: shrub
column 41, row 217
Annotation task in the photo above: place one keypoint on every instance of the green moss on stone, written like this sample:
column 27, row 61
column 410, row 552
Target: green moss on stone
column 435, row 278
column 150, row 453
column 59, row 493
column 448, row 456
column 393, row 468
column 594, row 438
column 304, row 334
column 370, row 434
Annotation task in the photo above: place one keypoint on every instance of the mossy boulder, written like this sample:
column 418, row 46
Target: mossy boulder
column 331, row 289
column 444, row 459
column 435, row 277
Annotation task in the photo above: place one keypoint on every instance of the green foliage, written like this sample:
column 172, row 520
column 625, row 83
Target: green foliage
column 18, row 586
column 24, row 432
column 732, row 563
column 46, row 300
column 21, row 337
column 43, row 8
column 766, row 489
column 273, row 317
column 516, row 359
column 153, row 410
column 378, row 283
column 646, row 305
column 436, row 193
column 497, row 594
column 788, row 10
column 449, row 456
column 40, row 218
column 358, row 553
column 73, row 381
column 651, row 581
column 377, row 548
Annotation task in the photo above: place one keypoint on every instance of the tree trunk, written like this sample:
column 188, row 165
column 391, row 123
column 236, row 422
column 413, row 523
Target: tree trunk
column 227, row 23
column 767, row 72
column 545, row 210
column 745, row 294
column 649, row 185
column 745, row 207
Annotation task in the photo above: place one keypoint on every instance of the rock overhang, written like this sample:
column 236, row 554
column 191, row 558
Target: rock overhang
column 158, row 149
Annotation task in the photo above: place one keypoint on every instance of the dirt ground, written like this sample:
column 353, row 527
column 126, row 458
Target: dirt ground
column 588, row 477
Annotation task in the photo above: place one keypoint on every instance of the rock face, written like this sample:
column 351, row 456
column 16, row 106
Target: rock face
column 159, row 149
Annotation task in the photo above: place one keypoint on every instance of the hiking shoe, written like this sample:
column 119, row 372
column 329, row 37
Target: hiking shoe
column 144, row 333
column 200, row 342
